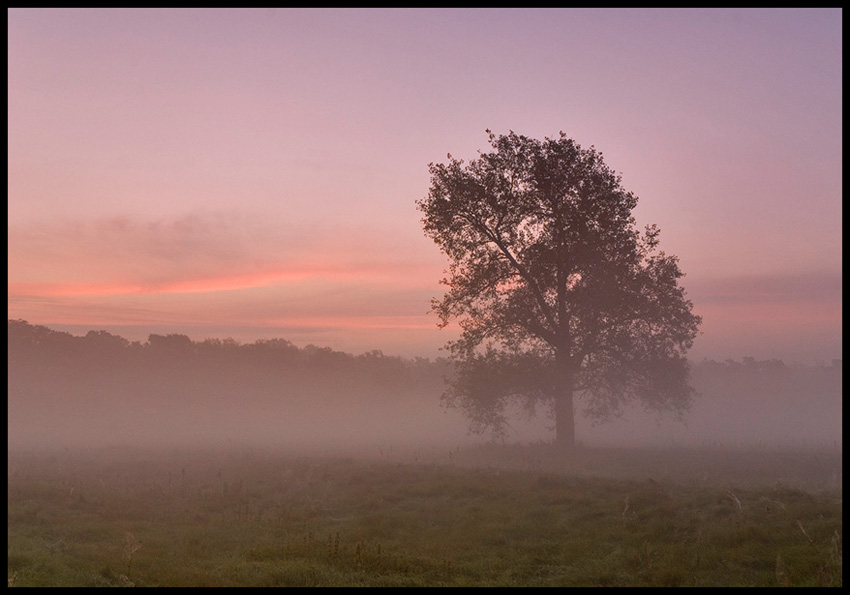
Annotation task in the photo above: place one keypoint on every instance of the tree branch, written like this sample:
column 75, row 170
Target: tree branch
column 526, row 276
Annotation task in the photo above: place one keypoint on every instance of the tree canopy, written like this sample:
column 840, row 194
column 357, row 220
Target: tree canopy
column 554, row 287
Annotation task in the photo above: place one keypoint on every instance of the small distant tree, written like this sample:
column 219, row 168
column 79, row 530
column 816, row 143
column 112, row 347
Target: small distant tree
column 556, row 292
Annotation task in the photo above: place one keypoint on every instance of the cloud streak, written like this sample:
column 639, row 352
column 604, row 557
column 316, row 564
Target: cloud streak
column 199, row 253
column 224, row 274
column 810, row 287
column 798, row 315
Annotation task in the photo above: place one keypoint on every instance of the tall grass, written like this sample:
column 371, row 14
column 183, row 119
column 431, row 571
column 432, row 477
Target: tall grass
column 265, row 519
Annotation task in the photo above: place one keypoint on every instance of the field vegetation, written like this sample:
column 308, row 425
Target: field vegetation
column 491, row 515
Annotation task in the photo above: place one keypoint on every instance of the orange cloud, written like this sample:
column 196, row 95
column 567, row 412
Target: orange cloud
column 195, row 254
column 228, row 274
column 232, row 282
column 357, row 322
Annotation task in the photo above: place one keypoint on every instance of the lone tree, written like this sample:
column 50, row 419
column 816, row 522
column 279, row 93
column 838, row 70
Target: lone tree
column 556, row 292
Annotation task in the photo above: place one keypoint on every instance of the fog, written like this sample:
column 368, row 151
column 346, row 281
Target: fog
column 102, row 390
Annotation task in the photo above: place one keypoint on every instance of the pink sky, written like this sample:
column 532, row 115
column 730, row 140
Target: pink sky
column 252, row 172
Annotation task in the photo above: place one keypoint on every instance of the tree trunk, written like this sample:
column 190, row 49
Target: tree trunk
column 565, row 424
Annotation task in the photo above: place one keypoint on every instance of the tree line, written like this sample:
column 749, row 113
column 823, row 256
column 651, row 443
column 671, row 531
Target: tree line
column 38, row 349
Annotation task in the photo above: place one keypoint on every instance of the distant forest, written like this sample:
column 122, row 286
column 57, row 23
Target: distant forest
column 101, row 387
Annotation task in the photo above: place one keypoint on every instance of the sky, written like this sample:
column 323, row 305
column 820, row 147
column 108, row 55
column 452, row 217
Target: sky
column 252, row 173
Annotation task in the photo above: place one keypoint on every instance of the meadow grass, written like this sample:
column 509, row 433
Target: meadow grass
column 259, row 518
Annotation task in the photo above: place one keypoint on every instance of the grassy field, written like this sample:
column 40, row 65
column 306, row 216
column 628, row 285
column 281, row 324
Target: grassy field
column 479, row 516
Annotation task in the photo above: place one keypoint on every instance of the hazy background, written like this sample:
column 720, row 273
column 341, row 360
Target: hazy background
column 167, row 391
column 251, row 173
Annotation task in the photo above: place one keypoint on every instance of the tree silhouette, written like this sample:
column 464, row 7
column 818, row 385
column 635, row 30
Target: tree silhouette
column 555, row 290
